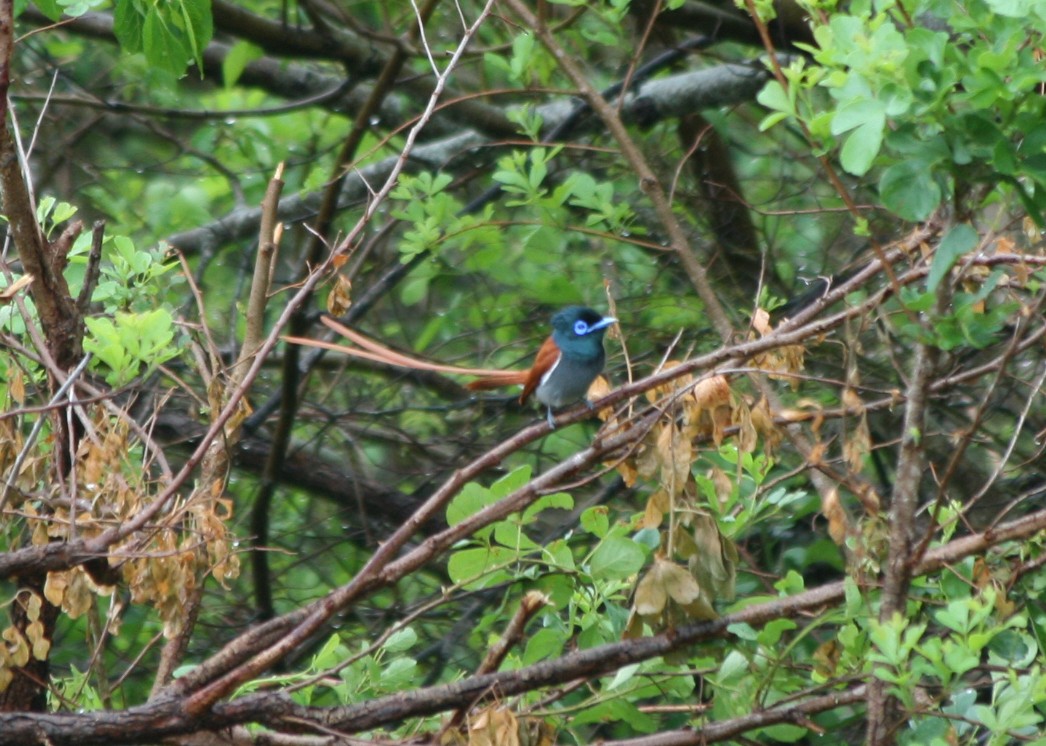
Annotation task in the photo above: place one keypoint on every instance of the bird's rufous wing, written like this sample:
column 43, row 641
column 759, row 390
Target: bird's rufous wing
column 544, row 361
column 547, row 356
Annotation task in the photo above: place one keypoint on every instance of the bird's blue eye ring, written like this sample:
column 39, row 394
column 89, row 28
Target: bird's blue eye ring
column 580, row 328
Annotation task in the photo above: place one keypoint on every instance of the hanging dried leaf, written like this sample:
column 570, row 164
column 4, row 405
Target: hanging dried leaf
column 651, row 594
column 34, row 632
column 628, row 472
column 33, row 605
column 715, row 564
column 40, row 534
column 55, row 586
column 711, row 393
column 676, row 454
column 16, row 386
column 761, row 322
column 707, row 408
column 721, row 419
column 78, row 595
column 494, row 726
column 663, row 392
column 599, row 388
column 340, row 296
column 781, row 360
column 683, row 545
column 536, row 732
column 826, row 658
column 666, row 596
column 858, row 444
column 852, row 401
column 869, row 499
column 724, row 485
column 18, row 648
column 746, row 434
column 656, row 506
column 698, row 611
column 679, row 584
column 648, row 457
column 838, row 523
column 232, row 425
column 763, row 422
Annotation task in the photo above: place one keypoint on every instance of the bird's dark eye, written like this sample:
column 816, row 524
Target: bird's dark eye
column 580, row 328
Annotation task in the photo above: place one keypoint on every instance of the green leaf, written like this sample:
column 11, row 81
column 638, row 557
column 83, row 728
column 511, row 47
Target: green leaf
column 557, row 500
column 329, row 655
column 784, row 733
column 161, row 44
column 401, row 640
column 399, row 674
column 128, row 26
column 616, row 558
column 198, row 27
column 959, row 240
column 909, row 190
column 774, row 97
column 544, row 644
column 867, row 118
column 1013, row 8
column 472, row 499
column 131, row 341
column 771, row 634
column 49, row 8
column 241, row 53
column 595, row 521
column 615, row 711
column 510, row 534
column 480, row 567
column 511, row 482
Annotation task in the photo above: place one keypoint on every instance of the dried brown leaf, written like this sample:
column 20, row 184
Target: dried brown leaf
column 679, row 584
column 651, row 594
column 747, row 438
column 494, row 726
column 656, row 506
column 711, row 392
column 676, row 454
column 832, row 508
column 40, row 644
column 826, row 658
column 858, row 444
column 16, row 386
column 665, row 390
column 715, row 564
column 18, row 648
column 340, row 296
column 55, row 586
column 724, row 485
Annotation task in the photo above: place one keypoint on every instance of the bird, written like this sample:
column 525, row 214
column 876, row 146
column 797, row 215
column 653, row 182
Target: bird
column 564, row 367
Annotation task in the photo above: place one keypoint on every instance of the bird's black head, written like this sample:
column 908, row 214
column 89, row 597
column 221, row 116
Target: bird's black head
column 579, row 329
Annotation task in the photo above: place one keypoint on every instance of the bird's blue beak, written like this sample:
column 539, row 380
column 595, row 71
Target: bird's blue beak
column 603, row 323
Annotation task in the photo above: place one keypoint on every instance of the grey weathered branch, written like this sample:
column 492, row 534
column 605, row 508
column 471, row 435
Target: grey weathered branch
column 656, row 100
